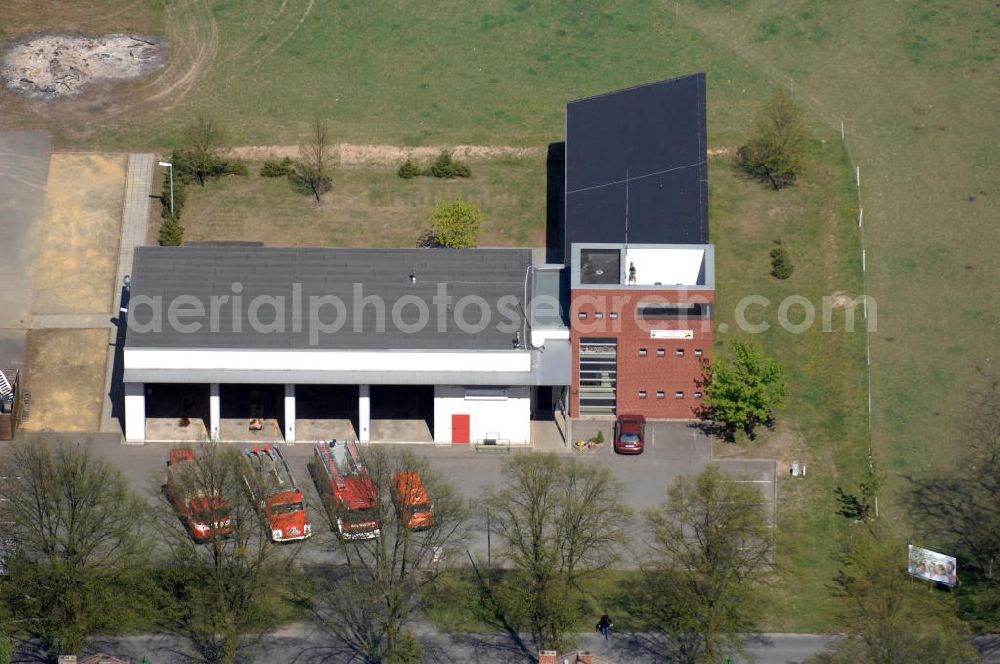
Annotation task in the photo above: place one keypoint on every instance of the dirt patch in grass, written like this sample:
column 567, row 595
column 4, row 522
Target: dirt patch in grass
column 351, row 154
column 65, row 373
column 79, row 234
column 53, row 67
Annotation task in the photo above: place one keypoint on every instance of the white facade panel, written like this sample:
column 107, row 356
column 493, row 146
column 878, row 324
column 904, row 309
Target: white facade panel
column 666, row 266
column 289, row 413
column 504, row 419
column 135, row 412
column 322, row 360
column 214, row 411
column 364, row 413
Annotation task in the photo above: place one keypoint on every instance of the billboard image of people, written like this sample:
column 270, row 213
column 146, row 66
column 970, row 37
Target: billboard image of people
column 932, row 566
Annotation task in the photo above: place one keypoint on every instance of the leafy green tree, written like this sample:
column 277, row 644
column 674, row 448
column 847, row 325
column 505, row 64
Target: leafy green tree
column 886, row 618
column 779, row 140
column 370, row 603
column 447, row 167
column 742, row 393
column 273, row 168
column 77, row 527
column 171, row 232
column 711, row 547
column 6, row 648
column 409, row 170
column 455, row 223
column 781, row 262
column 560, row 521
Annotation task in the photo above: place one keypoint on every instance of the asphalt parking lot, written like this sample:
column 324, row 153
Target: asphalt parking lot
column 24, row 168
column 673, row 449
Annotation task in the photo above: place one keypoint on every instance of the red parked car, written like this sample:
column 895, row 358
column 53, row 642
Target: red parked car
column 630, row 434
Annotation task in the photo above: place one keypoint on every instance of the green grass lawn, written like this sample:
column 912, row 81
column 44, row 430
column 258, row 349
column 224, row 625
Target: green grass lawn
column 824, row 422
column 397, row 72
column 915, row 83
column 369, row 206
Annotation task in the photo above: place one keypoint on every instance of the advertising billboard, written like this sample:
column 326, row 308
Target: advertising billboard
column 932, row 566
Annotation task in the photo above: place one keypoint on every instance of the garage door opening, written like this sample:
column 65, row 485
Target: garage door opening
column 177, row 412
column 403, row 413
column 325, row 412
column 252, row 413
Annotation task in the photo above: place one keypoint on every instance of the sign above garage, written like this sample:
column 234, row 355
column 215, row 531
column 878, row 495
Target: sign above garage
column 671, row 334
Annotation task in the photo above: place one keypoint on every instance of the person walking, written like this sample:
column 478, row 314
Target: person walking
column 604, row 626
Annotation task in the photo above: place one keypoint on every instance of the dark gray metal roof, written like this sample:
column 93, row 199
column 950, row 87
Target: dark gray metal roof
column 644, row 149
column 197, row 274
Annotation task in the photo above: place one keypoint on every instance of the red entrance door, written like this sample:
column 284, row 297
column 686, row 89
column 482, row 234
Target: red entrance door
column 460, row 429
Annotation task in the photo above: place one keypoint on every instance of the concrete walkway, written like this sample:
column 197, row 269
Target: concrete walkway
column 135, row 228
column 71, row 321
column 304, row 643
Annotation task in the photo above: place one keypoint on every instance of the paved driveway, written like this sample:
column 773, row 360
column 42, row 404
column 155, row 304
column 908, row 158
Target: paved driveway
column 24, row 168
column 674, row 449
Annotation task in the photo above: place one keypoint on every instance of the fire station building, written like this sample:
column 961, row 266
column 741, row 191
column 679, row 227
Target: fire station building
column 442, row 345
column 642, row 274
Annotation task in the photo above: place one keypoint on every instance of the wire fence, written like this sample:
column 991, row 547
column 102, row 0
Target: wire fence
column 836, row 122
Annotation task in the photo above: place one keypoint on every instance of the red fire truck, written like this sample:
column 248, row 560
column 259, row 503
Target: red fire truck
column 276, row 494
column 205, row 513
column 347, row 490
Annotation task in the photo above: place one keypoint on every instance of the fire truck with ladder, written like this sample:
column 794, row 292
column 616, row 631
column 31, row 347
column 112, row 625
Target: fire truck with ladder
column 348, row 492
column 276, row 494
column 205, row 513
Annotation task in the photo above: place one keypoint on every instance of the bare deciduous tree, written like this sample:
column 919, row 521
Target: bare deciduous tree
column 205, row 139
column 226, row 581
column 958, row 507
column 883, row 617
column 369, row 601
column 77, row 527
column 312, row 173
column 711, row 547
column 559, row 520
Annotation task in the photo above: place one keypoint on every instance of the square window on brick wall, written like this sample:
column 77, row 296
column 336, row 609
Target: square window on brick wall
column 660, row 395
column 599, row 315
column 642, row 394
column 642, row 352
column 582, row 315
column 678, row 394
column 613, row 315
column 698, row 395
column 698, row 352
column 660, row 352
column 679, row 352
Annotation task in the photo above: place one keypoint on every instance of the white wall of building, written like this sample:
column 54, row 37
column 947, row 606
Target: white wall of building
column 329, row 360
column 665, row 266
column 135, row 412
column 504, row 418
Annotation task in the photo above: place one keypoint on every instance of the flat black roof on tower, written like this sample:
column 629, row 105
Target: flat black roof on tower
column 640, row 150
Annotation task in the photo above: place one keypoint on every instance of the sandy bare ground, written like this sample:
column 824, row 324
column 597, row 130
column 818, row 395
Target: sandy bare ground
column 57, row 66
column 79, row 232
column 66, row 378
column 351, row 154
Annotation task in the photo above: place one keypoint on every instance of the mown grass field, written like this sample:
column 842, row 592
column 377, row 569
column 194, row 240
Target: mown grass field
column 393, row 72
column 369, row 205
column 914, row 82
column 916, row 85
